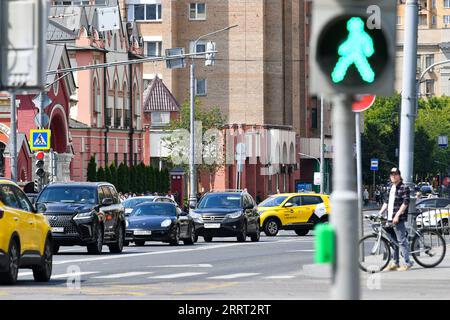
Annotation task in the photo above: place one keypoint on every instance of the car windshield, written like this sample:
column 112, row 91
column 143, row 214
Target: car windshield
column 154, row 209
column 220, row 201
column 273, row 201
column 68, row 195
column 133, row 202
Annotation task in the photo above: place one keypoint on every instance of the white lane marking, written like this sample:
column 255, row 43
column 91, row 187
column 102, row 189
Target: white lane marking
column 24, row 274
column 280, row 277
column 178, row 275
column 133, row 255
column 74, row 274
column 234, row 276
column 305, row 250
column 122, row 275
column 204, row 265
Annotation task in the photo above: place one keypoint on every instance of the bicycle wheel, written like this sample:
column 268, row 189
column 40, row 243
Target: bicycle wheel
column 374, row 255
column 428, row 249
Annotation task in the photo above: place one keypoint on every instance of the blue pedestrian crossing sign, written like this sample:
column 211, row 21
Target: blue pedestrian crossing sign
column 40, row 139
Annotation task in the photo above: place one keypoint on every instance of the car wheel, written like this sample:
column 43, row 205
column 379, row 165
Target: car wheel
column 271, row 227
column 207, row 238
column 256, row 236
column 118, row 246
column 140, row 243
column 243, row 235
column 176, row 240
column 302, row 232
column 43, row 272
column 97, row 246
column 192, row 237
column 55, row 248
column 196, row 238
column 126, row 243
column 10, row 275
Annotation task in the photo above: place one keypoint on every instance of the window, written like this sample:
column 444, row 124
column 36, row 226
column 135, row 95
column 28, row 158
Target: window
column 160, row 118
column 197, row 11
column 153, row 48
column 433, row 4
column 23, row 200
column 433, row 20
column 296, row 201
column 8, row 197
column 200, row 87
column 429, row 60
column 419, row 62
column 429, row 87
column 200, row 47
column 314, row 116
column 107, row 192
column 310, row 200
column 447, row 4
column 114, row 194
column 446, row 20
column 148, row 12
column 422, row 20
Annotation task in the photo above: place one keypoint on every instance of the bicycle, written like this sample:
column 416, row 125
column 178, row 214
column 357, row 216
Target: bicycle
column 375, row 248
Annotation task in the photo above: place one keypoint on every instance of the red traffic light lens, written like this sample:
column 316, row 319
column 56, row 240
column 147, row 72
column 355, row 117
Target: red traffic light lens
column 40, row 155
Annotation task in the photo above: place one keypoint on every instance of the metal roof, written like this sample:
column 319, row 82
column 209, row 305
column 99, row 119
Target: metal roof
column 157, row 97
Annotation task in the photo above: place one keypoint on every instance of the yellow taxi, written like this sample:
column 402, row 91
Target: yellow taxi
column 293, row 211
column 25, row 236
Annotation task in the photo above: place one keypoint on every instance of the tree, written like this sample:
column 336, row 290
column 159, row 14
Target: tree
column 100, row 174
column 113, row 170
column 212, row 144
column 132, row 179
column 92, row 170
column 108, row 177
column 122, row 178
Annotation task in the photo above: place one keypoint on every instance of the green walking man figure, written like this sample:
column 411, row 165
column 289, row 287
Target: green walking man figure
column 355, row 50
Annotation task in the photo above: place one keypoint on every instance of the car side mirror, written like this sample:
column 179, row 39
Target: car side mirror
column 288, row 205
column 107, row 202
column 41, row 207
column 192, row 206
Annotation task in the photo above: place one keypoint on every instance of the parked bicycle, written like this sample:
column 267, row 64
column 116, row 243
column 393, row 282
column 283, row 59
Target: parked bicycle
column 428, row 247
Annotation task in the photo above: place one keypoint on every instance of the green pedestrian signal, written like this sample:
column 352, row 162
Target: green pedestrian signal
column 353, row 47
column 355, row 50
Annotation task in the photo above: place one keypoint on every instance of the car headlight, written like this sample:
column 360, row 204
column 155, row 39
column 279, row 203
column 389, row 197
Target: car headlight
column 166, row 223
column 84, row 215
column 234, row 215
column 195, row 215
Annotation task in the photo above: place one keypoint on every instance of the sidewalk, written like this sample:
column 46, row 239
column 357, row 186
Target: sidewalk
column 371, row 206
column 416, row 283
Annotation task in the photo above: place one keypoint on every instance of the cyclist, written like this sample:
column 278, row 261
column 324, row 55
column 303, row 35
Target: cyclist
column 397, row 203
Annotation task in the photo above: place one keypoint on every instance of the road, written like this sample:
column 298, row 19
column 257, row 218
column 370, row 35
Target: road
column 278, row 268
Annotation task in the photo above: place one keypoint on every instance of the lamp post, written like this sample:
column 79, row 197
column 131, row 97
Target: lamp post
column 192, row 168
column 320, row 166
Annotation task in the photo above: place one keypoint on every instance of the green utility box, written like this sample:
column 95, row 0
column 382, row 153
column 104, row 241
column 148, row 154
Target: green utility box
column 324, row 244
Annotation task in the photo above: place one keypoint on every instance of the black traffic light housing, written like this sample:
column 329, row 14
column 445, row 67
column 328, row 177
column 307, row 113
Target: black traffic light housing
column 353, row 47
column 40, row 172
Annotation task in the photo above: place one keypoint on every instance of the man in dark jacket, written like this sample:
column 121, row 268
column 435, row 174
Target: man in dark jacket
column 396, row 203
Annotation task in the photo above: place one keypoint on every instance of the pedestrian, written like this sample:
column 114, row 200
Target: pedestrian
column 397, row 212
column 170, row 195
column 258, row 197
column 378, row 196
column 366, row 197
column 199, row 196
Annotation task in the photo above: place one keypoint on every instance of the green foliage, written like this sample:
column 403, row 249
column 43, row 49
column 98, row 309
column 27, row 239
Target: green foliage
column 113, row 170
column 381, row 136
column 108, row 177
column 122, row 178
column 92, row 170
column 101, row 174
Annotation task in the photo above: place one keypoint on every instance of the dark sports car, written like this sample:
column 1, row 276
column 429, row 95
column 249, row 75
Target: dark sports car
column 159, row 222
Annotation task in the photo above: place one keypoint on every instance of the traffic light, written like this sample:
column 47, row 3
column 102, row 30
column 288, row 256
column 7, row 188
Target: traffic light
column 210, row 57
column 353, row 47
column 40, row 172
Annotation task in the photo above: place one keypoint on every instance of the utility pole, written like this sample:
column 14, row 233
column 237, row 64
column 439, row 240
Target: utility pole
column 359, row 171
column 322, row 142
column 13, row 137
column 409, row 99
column 345, row 201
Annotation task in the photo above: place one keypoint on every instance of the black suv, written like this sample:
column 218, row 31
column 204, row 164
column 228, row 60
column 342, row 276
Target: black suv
column 87, row 214
column 226, row 214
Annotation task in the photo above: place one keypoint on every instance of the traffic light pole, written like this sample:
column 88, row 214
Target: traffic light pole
column 13, row 138
column 409, row 98
column 344, row 215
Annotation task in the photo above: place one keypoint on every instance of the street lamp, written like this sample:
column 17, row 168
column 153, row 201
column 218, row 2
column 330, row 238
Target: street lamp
column 192, row 173
column 320, row 166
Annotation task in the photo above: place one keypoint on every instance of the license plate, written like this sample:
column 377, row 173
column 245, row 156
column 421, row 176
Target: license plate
column 212, row 225
column 58, row 229
column 142, row 233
